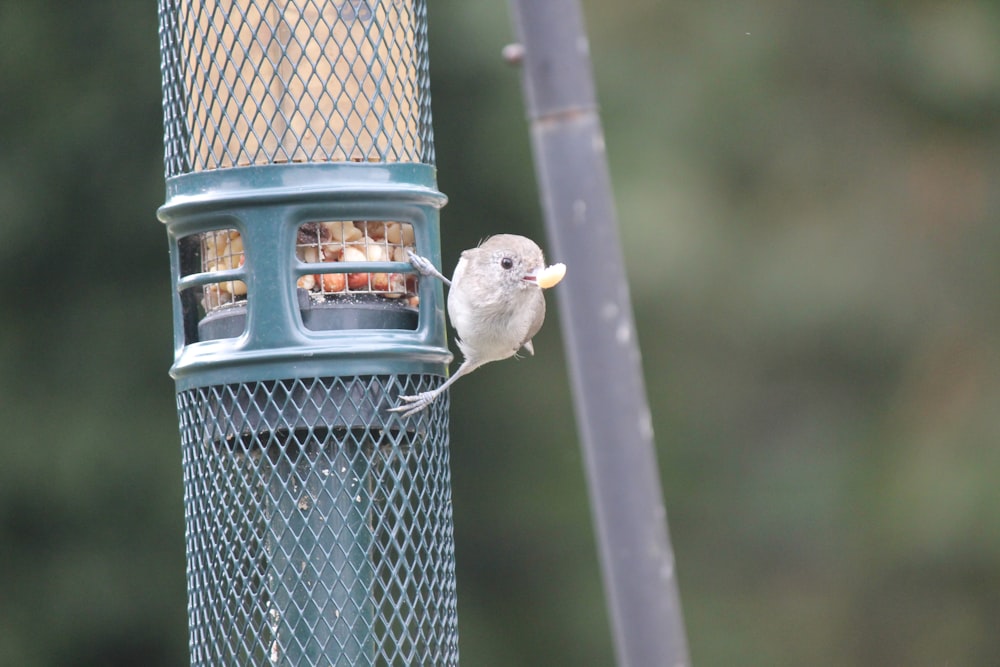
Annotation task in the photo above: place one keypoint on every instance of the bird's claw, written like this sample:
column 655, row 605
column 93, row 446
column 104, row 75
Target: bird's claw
column 424, row 266
column 414, row 404
column 421, row 264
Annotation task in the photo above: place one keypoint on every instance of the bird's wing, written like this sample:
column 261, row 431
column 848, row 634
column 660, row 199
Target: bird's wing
column 535, row 325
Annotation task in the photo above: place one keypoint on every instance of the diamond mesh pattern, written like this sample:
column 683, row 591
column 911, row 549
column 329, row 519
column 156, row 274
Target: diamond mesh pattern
column 249, row 82
column 319, row 526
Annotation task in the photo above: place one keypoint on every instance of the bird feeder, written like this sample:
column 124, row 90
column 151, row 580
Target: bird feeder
column 299, row 166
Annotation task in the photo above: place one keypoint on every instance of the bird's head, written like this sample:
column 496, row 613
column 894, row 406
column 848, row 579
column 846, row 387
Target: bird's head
column 514, row 263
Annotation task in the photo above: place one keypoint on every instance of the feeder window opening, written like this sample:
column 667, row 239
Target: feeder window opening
column 359, row 269
column 353, row 244
column 222, row 250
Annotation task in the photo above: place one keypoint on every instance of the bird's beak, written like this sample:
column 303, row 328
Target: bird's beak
column 548, row 276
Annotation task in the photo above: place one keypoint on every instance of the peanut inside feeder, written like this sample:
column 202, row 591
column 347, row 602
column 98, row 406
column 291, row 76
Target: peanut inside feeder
column 356, row 242
column 222, row 250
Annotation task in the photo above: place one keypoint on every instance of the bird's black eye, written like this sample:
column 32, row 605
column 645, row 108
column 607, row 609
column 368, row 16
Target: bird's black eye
column 507, row 263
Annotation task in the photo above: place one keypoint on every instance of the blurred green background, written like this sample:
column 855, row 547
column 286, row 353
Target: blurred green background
column 810, row 212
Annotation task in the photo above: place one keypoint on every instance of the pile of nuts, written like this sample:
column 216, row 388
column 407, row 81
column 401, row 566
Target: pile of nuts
column 220, row 251
column 318, row 242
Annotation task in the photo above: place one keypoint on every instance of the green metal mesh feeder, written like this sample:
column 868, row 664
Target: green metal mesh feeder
column 299, row 163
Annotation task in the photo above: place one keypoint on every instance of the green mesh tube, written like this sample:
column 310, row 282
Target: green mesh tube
column 299, row 165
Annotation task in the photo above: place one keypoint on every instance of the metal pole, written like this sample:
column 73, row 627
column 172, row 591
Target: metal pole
column 598, row 326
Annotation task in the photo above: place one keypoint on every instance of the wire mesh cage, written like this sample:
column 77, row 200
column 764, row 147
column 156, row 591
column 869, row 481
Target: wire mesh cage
column 270, row 81
column 294, row 503
column 299, row 162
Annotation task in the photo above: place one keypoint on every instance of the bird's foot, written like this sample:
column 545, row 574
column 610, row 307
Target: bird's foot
column 414, row 404
column 424, row 267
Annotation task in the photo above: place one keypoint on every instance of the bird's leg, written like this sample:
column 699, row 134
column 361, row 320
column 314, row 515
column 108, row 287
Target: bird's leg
column 414, row 404
column 425, row 268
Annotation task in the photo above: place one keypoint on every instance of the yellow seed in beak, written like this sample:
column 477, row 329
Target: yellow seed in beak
column 550, row 275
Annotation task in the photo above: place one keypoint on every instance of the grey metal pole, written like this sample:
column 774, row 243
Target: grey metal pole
column 599, row 330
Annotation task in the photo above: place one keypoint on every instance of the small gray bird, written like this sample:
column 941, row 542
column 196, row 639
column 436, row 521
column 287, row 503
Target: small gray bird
column 495, row 304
